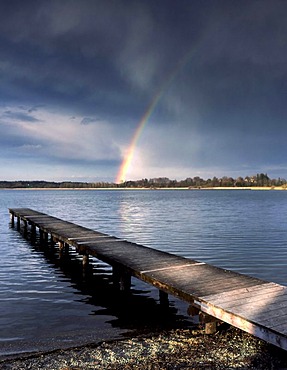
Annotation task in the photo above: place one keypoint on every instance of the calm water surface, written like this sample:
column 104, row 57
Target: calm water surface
column 46, row 303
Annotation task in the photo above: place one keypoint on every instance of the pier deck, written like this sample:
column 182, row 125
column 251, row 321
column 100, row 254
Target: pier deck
column 253, row 305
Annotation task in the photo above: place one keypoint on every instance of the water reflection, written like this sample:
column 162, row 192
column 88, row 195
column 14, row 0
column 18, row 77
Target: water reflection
column 71, row 297
column 136, row 219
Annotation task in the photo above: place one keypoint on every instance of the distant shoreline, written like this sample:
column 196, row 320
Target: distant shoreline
column 159, row 188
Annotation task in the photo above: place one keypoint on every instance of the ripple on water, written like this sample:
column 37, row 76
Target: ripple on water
column 45, row 302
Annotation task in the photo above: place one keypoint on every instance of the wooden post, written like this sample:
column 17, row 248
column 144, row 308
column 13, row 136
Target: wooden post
column 85, row 260
column 18, row 223
column 210, row 323
column 67, row 248
column 25, row 227
column 61, row 248
column 41, row 235
column 192, row 310
column 125, row 282
column 33, row 233
column 116, row 276
column 163, row 298
column 12, row 219
column 122, row 278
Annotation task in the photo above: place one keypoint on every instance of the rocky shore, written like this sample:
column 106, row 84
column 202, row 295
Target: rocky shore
column 165, row 350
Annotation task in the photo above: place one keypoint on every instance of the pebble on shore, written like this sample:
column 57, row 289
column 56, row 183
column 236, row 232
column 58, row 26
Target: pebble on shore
column 174, row 349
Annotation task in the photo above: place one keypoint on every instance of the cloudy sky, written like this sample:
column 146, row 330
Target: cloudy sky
column 77, row 77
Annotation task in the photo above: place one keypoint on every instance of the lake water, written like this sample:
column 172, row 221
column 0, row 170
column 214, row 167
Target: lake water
column 46, row 303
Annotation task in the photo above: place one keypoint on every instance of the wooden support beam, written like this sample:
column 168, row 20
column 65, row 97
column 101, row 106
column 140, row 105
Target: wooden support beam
column 33, row 231
column 125, row 282
column 192, row 310
column 61, row 248
column 85, row 260
column 45, row 237
column 67, row 248
column 25, row 227
column 121, row 278
column 209, row 322
column 163, row 298
column 12, row 219
column 18, row 222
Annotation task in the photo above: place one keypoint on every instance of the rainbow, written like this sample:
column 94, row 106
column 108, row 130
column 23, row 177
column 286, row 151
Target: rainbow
column 126, row 163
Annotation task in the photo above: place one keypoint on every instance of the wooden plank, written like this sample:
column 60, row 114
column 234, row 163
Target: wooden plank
column 264, row 309
column 173, row 267
column 274, row 322
column 277, row 296
column 142, row 258
column 281, row 327
column 36, row 217
column 190, row 289
column 203, row 281
column 247, row 298
column 269, row 313
column 221, row 297
column 22, row 211
column 254, row 311
column 205, row 272
column 93, row 236
column 276, row 309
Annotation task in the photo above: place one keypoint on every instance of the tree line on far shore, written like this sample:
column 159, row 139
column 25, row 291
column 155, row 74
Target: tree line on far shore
column 261, row 180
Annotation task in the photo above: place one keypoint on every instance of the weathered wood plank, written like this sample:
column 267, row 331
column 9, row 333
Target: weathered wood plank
column 268, row 313
column 275, row 321
column 250, row 312
column 281, row 327
column 274, row 298
column 224, row 297
column 262, row 295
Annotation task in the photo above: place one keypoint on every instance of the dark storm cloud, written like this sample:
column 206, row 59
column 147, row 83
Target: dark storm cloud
column 19, row 116
column 88, row 120
column 90, row 52
column 66, row 50
column 226, row 63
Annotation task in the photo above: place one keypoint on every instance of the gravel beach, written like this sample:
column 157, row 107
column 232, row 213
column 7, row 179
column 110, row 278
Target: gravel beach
column 174, row 349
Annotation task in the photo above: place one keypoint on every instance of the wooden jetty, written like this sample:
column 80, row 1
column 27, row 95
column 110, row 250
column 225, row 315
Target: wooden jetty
column 253, row 305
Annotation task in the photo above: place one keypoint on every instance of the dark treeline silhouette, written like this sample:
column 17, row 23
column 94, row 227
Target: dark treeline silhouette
column 261, row 180
column 53, row 185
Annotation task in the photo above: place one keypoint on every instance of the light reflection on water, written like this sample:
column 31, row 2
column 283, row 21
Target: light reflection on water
column 45, row 302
